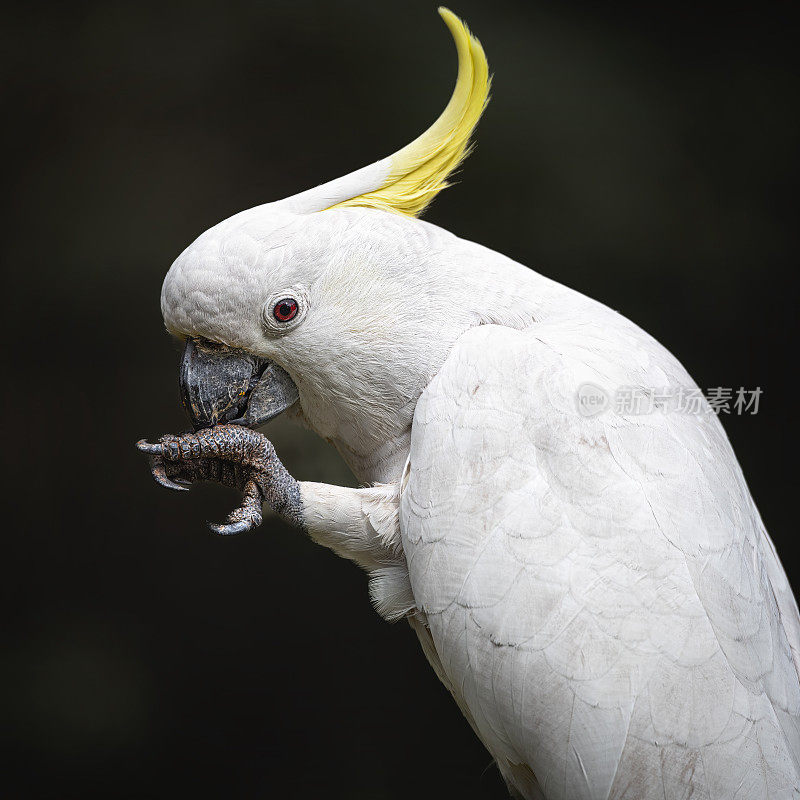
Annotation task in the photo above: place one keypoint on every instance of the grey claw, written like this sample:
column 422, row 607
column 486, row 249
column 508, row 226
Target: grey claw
column 231, row 528
column 147, row 447
column 160, row 475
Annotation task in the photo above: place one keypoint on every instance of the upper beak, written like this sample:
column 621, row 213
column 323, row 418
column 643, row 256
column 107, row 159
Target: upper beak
column 222, row 385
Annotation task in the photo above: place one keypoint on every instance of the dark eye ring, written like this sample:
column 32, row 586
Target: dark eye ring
column 285, row 309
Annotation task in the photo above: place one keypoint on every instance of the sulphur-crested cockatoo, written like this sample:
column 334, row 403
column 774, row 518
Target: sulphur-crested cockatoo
column 594, row 586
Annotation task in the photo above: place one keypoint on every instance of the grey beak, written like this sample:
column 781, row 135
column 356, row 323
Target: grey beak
column 222, row 385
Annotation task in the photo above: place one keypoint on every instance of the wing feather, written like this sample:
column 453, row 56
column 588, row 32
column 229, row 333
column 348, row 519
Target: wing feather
column 600, row 591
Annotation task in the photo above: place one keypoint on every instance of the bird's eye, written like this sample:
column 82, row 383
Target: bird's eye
column 285, row 309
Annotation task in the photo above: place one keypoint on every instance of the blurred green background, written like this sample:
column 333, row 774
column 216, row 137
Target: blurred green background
column 646, row 154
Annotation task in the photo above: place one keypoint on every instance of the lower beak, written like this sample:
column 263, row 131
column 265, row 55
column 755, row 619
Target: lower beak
column 222, row 385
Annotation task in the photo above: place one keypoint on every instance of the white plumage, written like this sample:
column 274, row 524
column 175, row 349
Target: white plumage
column 601, row 593
column 598, row 593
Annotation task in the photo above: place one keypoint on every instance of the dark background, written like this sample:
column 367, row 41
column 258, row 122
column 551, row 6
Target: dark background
column 644, row 154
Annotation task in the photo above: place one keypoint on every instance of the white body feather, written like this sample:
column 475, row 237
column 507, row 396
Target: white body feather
column 601, row 592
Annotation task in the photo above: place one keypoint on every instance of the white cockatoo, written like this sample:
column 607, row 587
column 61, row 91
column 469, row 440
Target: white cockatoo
column 594, row 586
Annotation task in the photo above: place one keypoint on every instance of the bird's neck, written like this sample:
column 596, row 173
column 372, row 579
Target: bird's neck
column 380, row 464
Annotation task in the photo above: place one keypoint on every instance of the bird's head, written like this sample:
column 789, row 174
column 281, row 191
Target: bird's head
column 336, row 303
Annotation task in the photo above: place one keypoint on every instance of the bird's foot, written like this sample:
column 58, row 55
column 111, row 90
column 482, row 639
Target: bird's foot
column 232, row 456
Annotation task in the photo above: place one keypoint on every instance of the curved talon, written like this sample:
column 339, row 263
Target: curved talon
column 159, row 473
column 146, row 447
column 232, row 528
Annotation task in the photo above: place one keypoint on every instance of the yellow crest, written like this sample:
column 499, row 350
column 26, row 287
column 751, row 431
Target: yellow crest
column 419, row 171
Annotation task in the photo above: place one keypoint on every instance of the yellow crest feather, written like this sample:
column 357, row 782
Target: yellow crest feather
column 419, row 171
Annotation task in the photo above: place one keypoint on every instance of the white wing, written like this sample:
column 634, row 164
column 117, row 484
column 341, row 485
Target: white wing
column 602, row 596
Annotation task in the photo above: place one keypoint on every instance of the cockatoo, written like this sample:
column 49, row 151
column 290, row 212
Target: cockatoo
column 594, row 586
